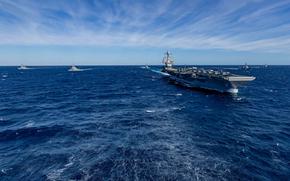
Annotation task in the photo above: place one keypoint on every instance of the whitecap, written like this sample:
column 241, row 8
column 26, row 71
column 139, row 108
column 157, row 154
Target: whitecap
column 29, row 124
column 150, row 111
column 70, row 162
column 5, row 170
column 177, row 108
column 269, row 90
column 179, row 94
column 55, row 174
column 164, row 109
column 238, row 99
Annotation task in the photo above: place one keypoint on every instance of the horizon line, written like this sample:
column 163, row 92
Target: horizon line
column 100, row 65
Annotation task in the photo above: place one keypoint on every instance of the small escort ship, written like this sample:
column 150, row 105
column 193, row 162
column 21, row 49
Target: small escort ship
column 74, row 69
column 200, row 78
column 23, row 67
column 245, row 67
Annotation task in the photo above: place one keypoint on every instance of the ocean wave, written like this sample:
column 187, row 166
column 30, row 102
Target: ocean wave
column 115, row 123
column 163, row 110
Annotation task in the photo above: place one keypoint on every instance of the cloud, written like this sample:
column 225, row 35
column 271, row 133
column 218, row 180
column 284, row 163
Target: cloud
column 241, row 25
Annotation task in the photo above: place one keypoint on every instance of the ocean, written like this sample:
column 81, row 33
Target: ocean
column 128, row 123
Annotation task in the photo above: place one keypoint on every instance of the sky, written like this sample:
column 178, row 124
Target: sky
column 135, row 32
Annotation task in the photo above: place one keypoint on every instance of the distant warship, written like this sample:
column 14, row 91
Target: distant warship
column 22, row 67
column 74, row 69
column 194, row 77
column 245, row 67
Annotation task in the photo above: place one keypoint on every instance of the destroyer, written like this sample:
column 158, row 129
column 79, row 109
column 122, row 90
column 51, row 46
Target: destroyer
column 23, row 67
column 194, row 77
column 74, row 69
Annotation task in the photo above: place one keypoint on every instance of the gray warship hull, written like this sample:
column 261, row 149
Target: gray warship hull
column 200, row 78
column 229, row 85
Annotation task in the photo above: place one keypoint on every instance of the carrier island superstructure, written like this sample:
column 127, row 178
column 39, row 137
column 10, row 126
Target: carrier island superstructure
column 200, row 78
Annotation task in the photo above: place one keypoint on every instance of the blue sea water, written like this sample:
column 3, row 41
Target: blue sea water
column 128, row 123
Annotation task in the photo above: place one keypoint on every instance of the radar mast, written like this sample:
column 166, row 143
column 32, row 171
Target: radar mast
column 168, row 60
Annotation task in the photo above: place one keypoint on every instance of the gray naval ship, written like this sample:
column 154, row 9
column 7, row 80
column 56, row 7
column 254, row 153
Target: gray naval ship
column 200, row 78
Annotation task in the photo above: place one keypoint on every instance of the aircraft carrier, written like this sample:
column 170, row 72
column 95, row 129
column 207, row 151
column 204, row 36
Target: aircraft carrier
column 200, row 78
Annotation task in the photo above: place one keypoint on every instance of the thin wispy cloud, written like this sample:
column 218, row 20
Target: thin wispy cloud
column 240, row 25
